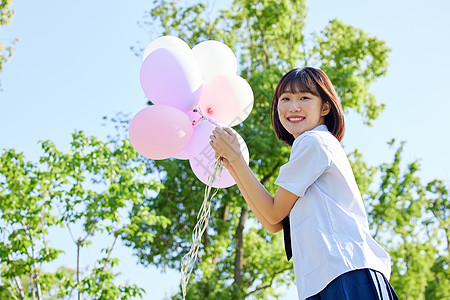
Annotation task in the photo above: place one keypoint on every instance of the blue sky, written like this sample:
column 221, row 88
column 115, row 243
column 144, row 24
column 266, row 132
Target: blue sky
column 73, row 65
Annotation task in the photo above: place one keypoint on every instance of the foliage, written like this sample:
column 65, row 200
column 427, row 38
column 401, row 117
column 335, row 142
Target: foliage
column 6, row 14
column 87, row 191
column 352, row 65
column 410, row 219
column 152, row 206
column 239, row 259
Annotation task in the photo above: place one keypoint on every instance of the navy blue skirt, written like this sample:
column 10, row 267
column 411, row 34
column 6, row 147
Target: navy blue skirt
column 357, row 285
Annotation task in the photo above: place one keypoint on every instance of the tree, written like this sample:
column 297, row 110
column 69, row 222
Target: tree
column 86, row 191
column 410, row 219
column 239, row 259
column 438, row 225
column 5, row 18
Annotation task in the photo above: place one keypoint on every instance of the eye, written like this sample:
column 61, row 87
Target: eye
column 304, row 98
column 284, row 99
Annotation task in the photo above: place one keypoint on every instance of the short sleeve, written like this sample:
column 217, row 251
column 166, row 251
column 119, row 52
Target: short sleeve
column 309, row 159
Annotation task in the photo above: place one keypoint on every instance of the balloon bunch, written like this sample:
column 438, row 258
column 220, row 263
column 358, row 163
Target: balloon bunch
column 193, row 91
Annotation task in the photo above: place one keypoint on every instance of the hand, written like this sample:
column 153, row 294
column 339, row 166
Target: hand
column 226, row 145
column 225, row 162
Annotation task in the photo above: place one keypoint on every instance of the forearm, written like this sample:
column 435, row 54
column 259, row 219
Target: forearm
column 257, row 194
column 273, row 228
column 226, row 145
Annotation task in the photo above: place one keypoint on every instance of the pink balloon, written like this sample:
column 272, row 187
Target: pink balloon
column 183, row 154
column 201, row 155
column 160, row 131
column 227, row 99
column 170, row 76
column 194, row 116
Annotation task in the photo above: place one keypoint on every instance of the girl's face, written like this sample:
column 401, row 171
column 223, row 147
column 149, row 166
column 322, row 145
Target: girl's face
column 301, row 112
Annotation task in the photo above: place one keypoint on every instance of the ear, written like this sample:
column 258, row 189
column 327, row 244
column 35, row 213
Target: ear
column 326, row 107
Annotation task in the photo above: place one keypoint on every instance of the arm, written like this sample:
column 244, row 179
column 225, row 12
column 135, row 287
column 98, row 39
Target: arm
column 273, row 228
column 272, row 208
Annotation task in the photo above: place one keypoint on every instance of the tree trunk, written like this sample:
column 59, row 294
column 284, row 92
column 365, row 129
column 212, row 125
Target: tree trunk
column 225, row 211
column 35, row 274
column 80, row 295
column 239, row 259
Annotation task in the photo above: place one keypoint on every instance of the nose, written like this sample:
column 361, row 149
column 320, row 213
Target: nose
column 295, row 106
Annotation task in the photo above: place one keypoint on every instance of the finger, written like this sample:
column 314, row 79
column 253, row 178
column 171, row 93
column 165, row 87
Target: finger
column 218, row 156
column 219, row 134
column 217, row 130
column 229, row 131
column 222, row 130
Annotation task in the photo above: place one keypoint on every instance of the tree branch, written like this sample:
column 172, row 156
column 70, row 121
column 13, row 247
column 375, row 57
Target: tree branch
column 291, row 43
column 36, row 275
column 90, row 231
column 33, row 293
column 17, row 281
column 269, row 284
column 71, row 234
column 33, row 253
column 9, row 292
column 265, row 49
column 109, row 254
column 79, row 243
column 270, row 174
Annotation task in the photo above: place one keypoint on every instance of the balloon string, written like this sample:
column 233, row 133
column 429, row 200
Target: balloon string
column 188, row 261
column 195, row 122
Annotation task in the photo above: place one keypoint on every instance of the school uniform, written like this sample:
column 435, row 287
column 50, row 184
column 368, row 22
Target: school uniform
column 329, row 230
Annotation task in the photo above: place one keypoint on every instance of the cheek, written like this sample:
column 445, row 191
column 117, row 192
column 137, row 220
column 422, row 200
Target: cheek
column 281, row 107
column 313, row 109
column 281, row 116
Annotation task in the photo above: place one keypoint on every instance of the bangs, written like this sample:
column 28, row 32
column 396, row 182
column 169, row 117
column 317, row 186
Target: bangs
column 298, row 82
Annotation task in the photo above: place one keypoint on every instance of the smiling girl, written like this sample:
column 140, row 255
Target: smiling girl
column 318, row 203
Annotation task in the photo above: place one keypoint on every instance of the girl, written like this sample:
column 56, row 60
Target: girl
column 333, row 253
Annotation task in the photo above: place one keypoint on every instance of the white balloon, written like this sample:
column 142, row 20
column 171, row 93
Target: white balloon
column 227, row 99
column 215, row 58
column 166, row 41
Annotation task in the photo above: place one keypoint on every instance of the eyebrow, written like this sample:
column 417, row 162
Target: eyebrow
column 290, row 92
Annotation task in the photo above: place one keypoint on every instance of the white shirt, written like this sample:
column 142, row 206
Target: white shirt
column 329, row 228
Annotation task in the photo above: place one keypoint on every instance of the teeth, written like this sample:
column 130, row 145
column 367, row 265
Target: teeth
column 295, row 119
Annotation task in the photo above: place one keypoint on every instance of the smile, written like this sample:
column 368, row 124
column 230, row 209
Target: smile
column 295, row 119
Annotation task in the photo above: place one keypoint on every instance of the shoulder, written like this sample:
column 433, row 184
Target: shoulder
column 311, row 145
column 312, row 137
column 310, row 140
